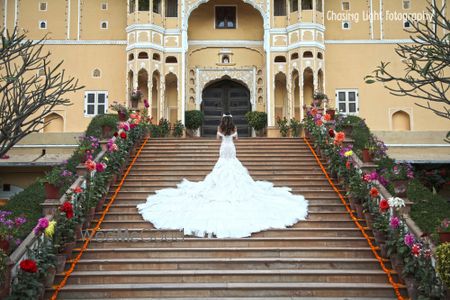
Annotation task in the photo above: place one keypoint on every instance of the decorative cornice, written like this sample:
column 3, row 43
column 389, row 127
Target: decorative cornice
column 405, row 41
column 298, row 45
column 297, row 26
column 154, row 47
column 153, row 27
column 226, row 43
column 83, row 42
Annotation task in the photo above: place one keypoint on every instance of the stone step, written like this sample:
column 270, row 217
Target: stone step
column 312, row 215
column 224, row 289
column 238, row 252
column 341, row 223
column 253, row 158
column 216, row 147
column 204, row 171
column 177, row 275
column 143, row 180
column 254, row 298
column 191, row 166
column 214, row 150
column 297, row 189
column 180, row 241
column 314, row 205
column 284, row 232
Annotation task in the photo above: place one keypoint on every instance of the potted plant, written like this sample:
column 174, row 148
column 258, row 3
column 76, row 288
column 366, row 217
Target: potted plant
column 44, row 253
column 55, row 180
column 443, row 263
column 331, row 111
column 9, row 227
column 193, row 120
column 399, row 176
column 108, row 124
column 5, row 274
column 27, row 284
column 164, row 126
column 258, row 121
column 295, row 126
column 444, row 231
column 135, row 96
column 178, row 129
column 121, row 110
column 283, row 126
column 367, row 153
column 318, row 98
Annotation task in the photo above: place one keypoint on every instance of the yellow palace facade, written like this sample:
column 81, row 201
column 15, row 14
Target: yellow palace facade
column 225, row 55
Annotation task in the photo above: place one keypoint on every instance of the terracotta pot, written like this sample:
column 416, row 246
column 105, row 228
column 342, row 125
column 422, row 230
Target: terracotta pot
column 100, row 204
column 4, row 245
column 359, row 210
column 51, row 191
column 380, row 236
column 89, row 218
column 348, row 130
column 411, row 286
column 383, row 250
column 81, row 170
column 444, row 237
column 134, row 103
column 106, row 131
column 122, row 116
column 260, row 132
column 68, row 248
column 398, row 265
column 49, row 277
column 367, row 156
column 400, row 187
column 78, row 231
column 332, row 113
column 369, row 220
column 60, row 263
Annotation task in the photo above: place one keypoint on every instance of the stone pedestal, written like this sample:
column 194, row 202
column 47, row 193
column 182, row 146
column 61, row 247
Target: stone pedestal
column 50, row 206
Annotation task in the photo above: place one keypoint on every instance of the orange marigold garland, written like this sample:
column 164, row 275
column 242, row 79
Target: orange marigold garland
column 96, row 228
column 361, row 228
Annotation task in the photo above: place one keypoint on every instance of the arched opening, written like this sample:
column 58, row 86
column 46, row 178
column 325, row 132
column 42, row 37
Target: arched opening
column 294, row 56
column 222, row 96
column 143, row 55
column 308, row 86
column 401, row 121
column 156, row 57
column 296, row 93
column 320, row 81
column 171, row 94
column 130, row 57
column 171, row 60
column 130, row 82
column 142, row 87
column 156, row 81
column 307, row 4
column 320, row 55
column 308, row 54
column 280, row 96
column 53, row 123
column 280, row 59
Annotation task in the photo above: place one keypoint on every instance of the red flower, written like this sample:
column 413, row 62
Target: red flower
column 348, row 164
column 415, row 250
column 90, row 165
column 339, row 138
column 331, row 133
column 77, row 190
column 28, row 265
column 314, row 112
column 319, row 122
column 384, row 205
column 327, row 117
column 68, row 209
column 116, row 134
column 374, row 192
column 123, row 135
column 132, row 126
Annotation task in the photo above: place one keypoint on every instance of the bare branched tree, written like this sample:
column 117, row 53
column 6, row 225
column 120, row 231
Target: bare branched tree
column 30, row 88
column 426, row 61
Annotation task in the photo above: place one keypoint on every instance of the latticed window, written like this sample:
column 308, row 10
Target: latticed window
column 95, row 103
column 157, row 6
column 225, row 17
column 347, row 101
column 307, row 5
column 132, row 6
column 279, row 7
column 144, row 5
column 319, row 5
column 171, row 8
column 294, row 5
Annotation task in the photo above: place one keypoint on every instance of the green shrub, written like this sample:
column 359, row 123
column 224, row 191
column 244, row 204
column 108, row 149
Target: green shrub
column 95, row 126
column 193, row 119
column 256, row 119
column 443, row 263
column 178, row 129
column 164, row 127
column 295, row 126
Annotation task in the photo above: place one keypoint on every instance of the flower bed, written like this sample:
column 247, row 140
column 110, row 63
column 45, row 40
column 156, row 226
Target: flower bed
column 98, row 163
column 370, row 187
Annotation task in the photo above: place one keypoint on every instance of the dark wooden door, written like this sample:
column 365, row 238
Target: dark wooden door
column 225, row 96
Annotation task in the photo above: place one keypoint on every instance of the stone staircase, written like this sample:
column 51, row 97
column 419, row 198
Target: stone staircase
column 325, row 256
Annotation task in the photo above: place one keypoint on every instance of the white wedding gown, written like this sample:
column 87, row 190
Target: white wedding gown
column 227, row 203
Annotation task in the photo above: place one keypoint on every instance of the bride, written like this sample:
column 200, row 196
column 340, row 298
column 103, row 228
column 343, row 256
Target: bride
column 228, row 203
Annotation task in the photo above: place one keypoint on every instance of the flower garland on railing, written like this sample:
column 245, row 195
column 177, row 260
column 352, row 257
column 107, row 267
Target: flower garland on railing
column 57, row 234
column 411, row 256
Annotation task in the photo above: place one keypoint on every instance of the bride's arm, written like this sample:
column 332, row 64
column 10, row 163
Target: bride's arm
column 235, row 133
column 219, row 134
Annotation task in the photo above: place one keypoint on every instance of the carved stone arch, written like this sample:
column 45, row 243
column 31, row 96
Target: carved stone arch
column 400, row 119
column 246, row 77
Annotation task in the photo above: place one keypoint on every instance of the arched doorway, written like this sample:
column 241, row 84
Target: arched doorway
column 225, row 96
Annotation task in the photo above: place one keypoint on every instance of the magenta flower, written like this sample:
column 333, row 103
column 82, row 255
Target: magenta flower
column 41, row 226
column 409, row 239
column 146, row 103
column 100, row 167
column 394, row 223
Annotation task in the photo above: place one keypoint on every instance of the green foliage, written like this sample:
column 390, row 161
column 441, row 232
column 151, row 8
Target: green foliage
column 27, row 286
column 256, row 119
column 3, row 265
column 283, row 126
column 295, row 126
column 164, row 127
column 27, row 203
column 193, row 119
column 95, row 126
column 429, row 209
column 178, row 129
column 443, row 263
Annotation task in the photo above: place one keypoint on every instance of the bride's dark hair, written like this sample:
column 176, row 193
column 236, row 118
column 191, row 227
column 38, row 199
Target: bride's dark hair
column 226, row 125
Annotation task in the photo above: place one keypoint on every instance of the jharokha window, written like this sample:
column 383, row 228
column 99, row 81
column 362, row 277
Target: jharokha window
column 225, row 17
